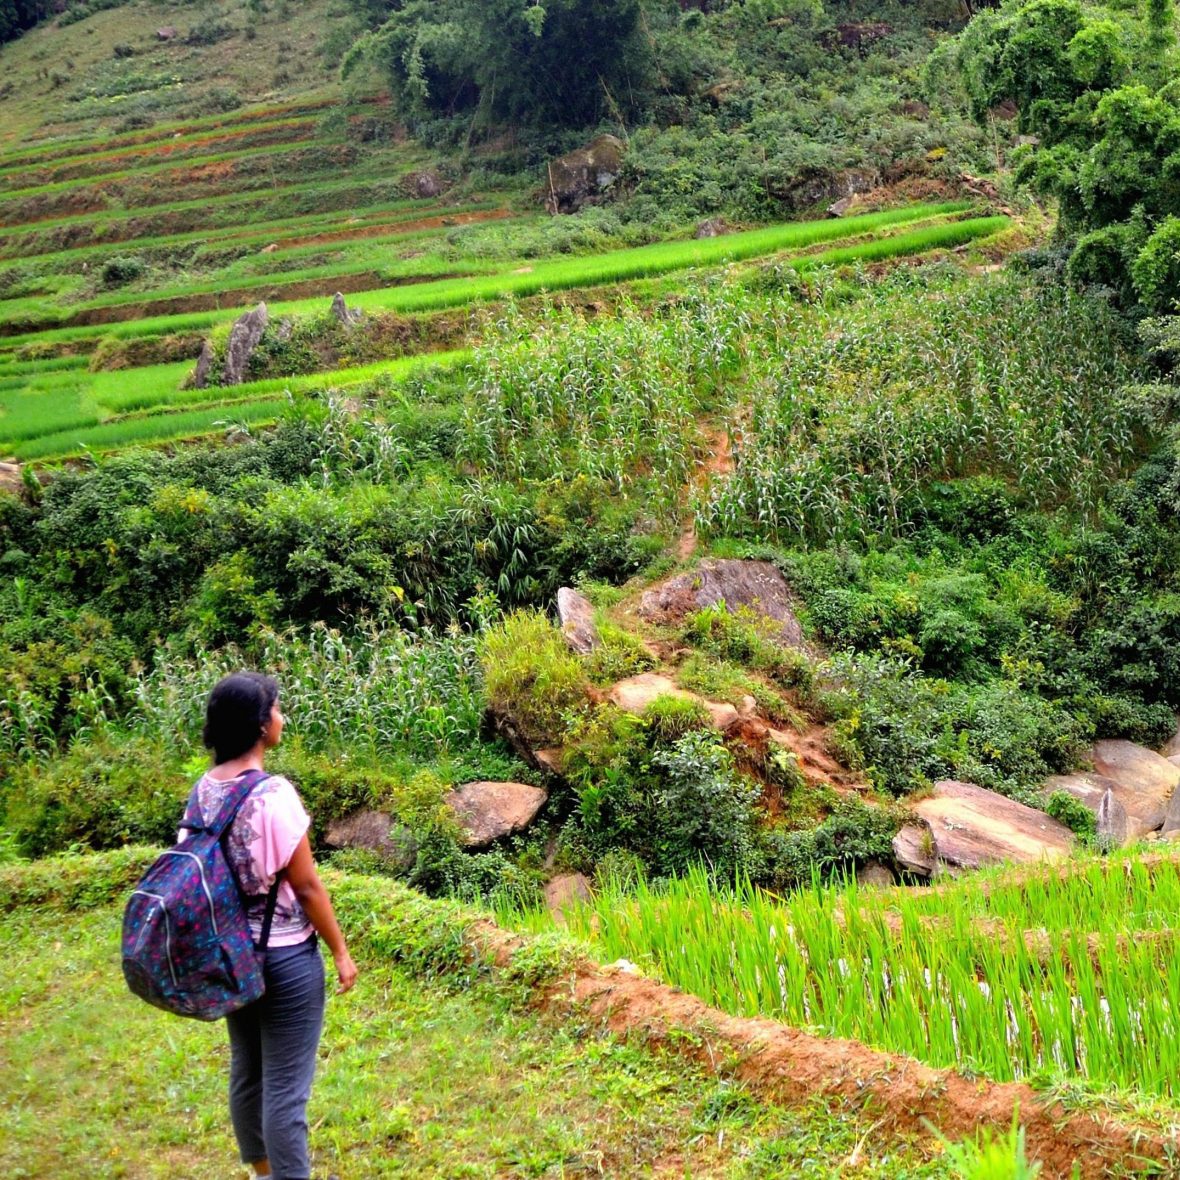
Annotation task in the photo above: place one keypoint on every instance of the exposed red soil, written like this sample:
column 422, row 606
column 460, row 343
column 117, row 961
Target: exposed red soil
column 150, row 135
column 789, row 1066
column 248, row 174
column 394, row 227
column 158, row 153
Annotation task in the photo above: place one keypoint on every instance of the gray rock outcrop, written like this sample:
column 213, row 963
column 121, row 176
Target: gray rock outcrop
column 341, row 311
column 875, row 875
column 584, row 176
column 576, row 614
column 488, row 811
column 243, row 340
column 964, row 826
column 1113, row 823
column 713, row 227
column 375, row 831
column 204, row 364
column 1142, row 813
column 1147, row 780
column 757, row 585
column 823, row 186
column 425, row 184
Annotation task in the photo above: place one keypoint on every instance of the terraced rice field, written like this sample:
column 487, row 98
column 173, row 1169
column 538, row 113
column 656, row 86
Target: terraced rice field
column 1066, row 978
column 208, row 216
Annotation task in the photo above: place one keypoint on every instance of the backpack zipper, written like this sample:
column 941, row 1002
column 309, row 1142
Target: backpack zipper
column 204, row 885
column 167, row 929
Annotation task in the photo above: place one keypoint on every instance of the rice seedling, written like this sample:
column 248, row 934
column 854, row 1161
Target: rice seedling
column 68, row 411
column 149, row 429
column 868, row 965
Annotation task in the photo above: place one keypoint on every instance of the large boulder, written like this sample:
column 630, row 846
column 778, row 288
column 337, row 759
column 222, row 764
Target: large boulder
column 964, row 826
column 1172, row 748
column 489, row 811
column 584, row 176
column 425, row 184
column 576, row 614
column 566, row 892
column 757, row 585
column 375, row 831
column 810, row 187
column 1147, row 780
column 243, row 340
column 342, row 313
column 1142, row 811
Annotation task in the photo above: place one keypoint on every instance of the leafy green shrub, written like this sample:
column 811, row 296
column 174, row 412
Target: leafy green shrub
column 102, row 794
column 1076, row 816
column 122, row 269
column 852, row 835
column 706, row 810
column 74, row 881
column 907, row 730
column 531, row 676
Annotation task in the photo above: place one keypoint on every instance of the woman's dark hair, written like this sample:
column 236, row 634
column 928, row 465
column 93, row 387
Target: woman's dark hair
column 238, row 709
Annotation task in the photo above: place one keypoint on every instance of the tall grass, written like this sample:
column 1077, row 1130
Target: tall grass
column 866, row 965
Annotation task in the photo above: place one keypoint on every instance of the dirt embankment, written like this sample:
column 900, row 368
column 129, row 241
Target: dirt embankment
column 787, row 1065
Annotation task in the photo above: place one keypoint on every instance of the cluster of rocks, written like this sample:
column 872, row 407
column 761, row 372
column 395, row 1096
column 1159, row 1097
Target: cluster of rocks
column 246, row 335
column 957, row 826
column 1131, row 792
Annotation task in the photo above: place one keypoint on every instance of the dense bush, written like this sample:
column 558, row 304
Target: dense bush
column 531, row 676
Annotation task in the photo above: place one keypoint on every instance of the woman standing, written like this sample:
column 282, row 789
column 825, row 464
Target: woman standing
column 273, row 1041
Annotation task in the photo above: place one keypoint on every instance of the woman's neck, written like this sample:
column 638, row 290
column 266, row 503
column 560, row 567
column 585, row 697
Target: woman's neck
column 250, row 760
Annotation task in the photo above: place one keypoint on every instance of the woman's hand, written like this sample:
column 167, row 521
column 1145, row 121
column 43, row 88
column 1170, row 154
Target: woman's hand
column 345, row 972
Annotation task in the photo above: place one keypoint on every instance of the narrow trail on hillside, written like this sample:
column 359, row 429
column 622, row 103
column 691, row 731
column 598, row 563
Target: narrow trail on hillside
column 718, row 462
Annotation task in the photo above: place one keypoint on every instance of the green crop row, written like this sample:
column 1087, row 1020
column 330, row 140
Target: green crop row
column 615, row 266
column 254, row 231
column 173, row 147
column 867, row 965
column 151, row 429
column 229, row 207
column 66, row 413
column 224, row 157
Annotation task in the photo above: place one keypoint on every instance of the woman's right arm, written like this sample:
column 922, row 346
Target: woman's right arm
column 317, row 905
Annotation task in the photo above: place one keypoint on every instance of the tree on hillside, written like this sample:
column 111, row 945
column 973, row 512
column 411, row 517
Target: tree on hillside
column 563, row 63
column 18, row 15
column 1090, row 83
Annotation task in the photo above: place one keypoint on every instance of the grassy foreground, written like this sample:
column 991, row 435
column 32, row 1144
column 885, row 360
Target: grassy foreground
column 416, row 1079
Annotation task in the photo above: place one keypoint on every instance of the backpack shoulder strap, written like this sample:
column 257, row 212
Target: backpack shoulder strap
column 229, row 806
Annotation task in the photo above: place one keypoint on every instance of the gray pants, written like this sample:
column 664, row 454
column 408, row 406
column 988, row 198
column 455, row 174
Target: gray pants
column 273, row 1046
